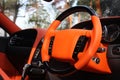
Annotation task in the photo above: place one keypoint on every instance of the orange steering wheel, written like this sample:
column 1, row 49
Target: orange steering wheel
column 64, row 43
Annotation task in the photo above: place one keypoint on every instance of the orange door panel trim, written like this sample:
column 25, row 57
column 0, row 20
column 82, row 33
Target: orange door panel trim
column 10, row 73
column 4, row 75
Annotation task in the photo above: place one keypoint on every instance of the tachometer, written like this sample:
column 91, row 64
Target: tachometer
column 110, row 32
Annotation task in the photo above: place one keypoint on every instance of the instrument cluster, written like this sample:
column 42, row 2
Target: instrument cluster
column 111, row 32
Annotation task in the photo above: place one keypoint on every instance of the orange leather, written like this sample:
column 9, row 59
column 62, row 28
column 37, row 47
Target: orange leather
column 65, row 42
column 7, row 70
column 4, row 75
column 6, row 66
column 96, row 36
column 7, row 24
column 45, row 46
column 66, row 46
column 102, row 67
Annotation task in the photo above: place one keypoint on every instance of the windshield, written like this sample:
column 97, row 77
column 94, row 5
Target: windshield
column 41, row 13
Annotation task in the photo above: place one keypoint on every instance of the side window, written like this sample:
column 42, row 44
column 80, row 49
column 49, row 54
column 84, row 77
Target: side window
column 3, row 33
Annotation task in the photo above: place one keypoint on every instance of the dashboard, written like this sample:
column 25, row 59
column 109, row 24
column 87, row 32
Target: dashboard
column 21, row 42
column 110, row 37
column 110, row 29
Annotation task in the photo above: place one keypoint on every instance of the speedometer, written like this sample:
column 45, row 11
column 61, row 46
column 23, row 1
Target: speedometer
column 110, row 32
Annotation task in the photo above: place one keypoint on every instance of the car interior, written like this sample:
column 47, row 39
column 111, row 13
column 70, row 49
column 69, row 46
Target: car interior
column 90, row 50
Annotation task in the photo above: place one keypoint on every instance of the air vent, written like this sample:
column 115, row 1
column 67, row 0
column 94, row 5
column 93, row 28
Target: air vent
column 116, row 50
